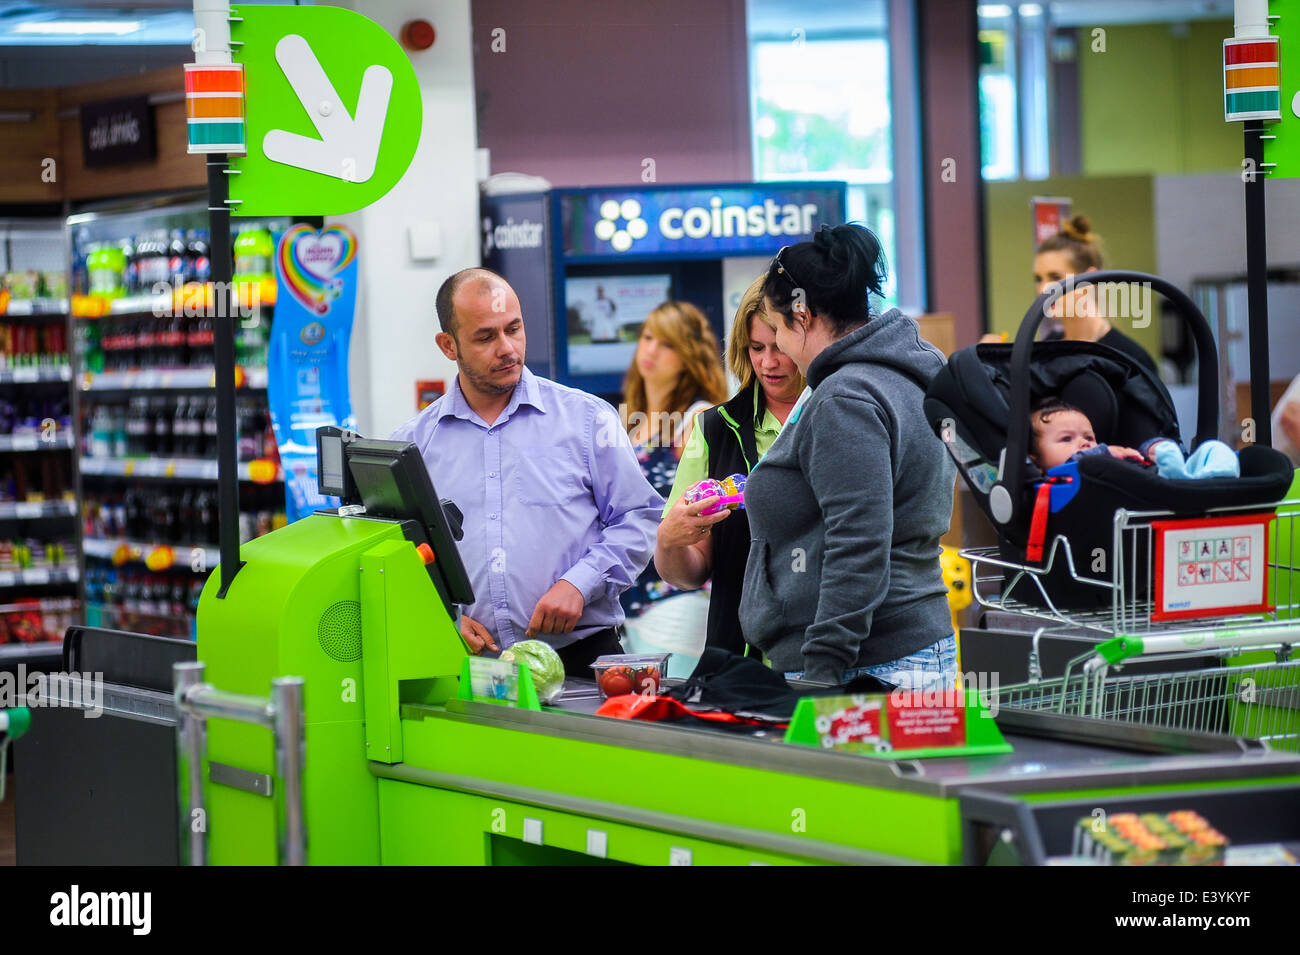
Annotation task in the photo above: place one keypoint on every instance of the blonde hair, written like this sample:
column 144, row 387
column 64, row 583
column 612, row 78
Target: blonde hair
column 684, row 327
column 738, row 360
column 1080, row 244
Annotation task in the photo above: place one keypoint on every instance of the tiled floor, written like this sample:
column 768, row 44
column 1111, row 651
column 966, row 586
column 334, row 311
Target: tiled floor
column 7, row 824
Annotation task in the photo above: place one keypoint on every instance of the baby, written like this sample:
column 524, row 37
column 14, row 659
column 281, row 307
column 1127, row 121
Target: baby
column 1063, row 433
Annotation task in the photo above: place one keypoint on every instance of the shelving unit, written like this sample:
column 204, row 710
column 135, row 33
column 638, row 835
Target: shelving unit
column 39, row 569
column 144, row 381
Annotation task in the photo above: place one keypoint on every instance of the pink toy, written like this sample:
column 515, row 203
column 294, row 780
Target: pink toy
column 730, row 491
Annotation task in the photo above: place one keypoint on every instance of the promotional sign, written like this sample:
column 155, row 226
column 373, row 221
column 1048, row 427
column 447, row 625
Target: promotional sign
column 504, row 682
column 903, row 722
column 117, row 131
column 516, row 244
column 1050, row 215
column 604, row 316
column 1211, row 567
column 308, row 361
column 332, row 111
column 684, row 222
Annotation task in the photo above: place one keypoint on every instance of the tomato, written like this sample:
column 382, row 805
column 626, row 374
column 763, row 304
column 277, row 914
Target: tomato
column 646, row 680
column 616, row 681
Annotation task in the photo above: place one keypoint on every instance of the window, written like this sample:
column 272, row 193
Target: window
column 1014, row 126
column 822, row 108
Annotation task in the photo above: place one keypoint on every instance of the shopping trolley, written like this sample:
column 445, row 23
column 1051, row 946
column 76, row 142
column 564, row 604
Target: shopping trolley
column 1235, row 672
column 1253, row 691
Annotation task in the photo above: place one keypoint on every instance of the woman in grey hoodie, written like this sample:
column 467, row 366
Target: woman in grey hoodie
column 847, row 507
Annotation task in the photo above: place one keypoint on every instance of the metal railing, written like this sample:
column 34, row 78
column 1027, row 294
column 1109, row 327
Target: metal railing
column 282, row 714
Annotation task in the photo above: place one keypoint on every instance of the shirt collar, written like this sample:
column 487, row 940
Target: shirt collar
column 766, row 421
column 527, row 392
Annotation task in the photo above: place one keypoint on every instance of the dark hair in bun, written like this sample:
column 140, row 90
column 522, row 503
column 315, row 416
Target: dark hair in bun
column 1081, row 245
column 834, row 275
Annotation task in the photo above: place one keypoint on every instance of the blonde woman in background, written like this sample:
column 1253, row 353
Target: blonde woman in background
column 675, row 374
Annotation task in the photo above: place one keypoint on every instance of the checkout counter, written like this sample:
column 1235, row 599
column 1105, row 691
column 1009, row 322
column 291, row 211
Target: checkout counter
column 361, row 603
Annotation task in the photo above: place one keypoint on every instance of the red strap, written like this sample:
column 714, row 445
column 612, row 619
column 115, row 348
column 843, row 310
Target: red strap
column 634, row 706
column 1038, row 526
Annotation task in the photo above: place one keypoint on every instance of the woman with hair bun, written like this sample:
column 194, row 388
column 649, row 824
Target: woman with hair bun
column 1074, row 250
column 847, row 507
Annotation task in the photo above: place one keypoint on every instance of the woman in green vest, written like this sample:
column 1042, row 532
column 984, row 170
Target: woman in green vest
column 727, row 439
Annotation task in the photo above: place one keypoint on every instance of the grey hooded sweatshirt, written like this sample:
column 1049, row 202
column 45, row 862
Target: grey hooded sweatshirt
column 846, row 510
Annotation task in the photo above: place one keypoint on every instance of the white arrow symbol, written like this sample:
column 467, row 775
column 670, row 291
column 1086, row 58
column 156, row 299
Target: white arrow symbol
column 348, row 147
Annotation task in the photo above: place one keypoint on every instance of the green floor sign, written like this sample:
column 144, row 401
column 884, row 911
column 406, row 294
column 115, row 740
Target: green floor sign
column 333, row 111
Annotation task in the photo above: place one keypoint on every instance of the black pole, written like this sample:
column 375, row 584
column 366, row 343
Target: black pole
column 1257, row 284
column 224, row 341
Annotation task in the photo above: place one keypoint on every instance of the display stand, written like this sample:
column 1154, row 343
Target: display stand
column 981, row 732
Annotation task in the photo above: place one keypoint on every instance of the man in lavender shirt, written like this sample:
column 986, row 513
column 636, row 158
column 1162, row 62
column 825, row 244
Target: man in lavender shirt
column 559, row 519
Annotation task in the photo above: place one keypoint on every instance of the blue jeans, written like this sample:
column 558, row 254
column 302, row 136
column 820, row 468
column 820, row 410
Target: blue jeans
column 933, row 666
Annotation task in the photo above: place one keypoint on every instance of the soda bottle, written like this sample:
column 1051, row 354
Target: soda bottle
column 130, row 267
column 253, row 251
column 146, row 342
column 162, row 428
column 179, row 596
column 196, row 243
column 181, row 443
column 164, row 518
column 185, row 519
column 205, row 517
column 177, row 252
column 210, row 429
column 133, row 521
column 152, row 258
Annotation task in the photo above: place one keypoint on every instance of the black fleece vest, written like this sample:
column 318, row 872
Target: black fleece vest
column 732, row 450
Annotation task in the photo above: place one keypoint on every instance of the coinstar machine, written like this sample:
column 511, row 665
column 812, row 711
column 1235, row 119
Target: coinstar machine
column 400, row 761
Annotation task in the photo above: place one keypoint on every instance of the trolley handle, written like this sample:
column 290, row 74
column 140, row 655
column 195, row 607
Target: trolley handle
column 1128, row 645
column 15, row 722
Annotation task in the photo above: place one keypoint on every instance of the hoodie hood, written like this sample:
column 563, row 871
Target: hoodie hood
column 891, row 339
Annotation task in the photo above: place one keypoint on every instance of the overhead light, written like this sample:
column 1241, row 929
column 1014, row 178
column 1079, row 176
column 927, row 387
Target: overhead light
column 1031, row 10
column 79, row 27
column 993, row 10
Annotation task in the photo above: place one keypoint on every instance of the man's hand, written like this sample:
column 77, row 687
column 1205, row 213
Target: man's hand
column 558, row 610
column 684, row 525
column 476, row 635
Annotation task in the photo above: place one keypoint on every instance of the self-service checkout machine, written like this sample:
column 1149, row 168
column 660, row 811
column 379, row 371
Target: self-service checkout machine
column 361, row 602
column 402, row 765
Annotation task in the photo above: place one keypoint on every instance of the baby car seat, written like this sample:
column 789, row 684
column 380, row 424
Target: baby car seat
column 979, row 405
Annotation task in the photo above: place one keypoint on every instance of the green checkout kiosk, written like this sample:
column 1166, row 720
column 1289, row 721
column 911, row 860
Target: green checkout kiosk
column 401, row 765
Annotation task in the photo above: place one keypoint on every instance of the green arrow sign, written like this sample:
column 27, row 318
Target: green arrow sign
column 333, row 111
column 1285, row 149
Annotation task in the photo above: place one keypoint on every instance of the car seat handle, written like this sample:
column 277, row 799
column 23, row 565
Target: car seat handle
column 1012, row 476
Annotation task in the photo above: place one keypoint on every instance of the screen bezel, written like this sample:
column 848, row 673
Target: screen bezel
column 417, row 501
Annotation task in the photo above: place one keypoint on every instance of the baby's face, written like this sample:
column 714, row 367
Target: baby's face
column 1060, row 437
